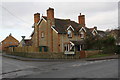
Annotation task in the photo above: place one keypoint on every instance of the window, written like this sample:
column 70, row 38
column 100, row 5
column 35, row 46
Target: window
column 5, row 42
column 42, row 35
column 82, row 34
column 94, row 33
column 68, row 47
column 69, row 33
column 10, row 42
column 43, row 48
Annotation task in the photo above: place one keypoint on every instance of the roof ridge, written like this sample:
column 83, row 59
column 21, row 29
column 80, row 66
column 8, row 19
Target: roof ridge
column 58, row 18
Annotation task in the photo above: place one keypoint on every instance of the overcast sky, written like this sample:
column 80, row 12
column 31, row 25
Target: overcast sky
column 17, row 17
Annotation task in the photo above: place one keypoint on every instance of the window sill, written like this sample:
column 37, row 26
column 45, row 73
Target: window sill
column 69, row 37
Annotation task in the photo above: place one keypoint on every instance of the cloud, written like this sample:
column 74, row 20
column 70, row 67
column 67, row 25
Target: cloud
column 102, row 14
column 103, row 19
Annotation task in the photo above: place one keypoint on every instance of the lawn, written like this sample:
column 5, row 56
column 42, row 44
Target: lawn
column 99, row 55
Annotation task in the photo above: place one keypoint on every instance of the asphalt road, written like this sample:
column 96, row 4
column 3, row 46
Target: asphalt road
column 12, row 68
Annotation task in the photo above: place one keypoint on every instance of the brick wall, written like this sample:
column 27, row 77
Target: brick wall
column 55, row 42
column 43, row 28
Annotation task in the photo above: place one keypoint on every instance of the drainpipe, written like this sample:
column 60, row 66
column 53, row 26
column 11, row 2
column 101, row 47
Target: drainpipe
column 62, row 43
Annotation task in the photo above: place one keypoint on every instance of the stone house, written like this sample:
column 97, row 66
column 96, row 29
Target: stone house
column 59, row 35
column 9, row 41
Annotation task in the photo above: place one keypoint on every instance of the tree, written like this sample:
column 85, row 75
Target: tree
column 109, row 44
column 93, row 42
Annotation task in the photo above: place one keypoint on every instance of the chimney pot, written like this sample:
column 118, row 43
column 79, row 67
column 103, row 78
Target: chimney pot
column 80, row 13
column 95, row 27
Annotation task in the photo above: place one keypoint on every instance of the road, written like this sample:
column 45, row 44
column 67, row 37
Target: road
column 12, row 68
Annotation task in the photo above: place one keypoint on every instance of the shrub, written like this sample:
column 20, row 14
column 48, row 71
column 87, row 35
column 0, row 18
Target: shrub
column 117, row 49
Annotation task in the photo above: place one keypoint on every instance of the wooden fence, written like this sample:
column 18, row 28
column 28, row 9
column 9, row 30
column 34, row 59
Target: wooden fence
column 26, row 49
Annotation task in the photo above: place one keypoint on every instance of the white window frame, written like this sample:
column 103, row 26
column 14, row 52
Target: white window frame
column 68, row 47
column 94, row 31
column 69, row 35
column 42, row 35
column 82, row 35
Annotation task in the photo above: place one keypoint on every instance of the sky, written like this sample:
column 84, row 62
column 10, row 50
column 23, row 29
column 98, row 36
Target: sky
column 17, row 17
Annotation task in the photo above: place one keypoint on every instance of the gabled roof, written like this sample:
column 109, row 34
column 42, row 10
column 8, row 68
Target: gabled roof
column 91, row 29
column 61, row 25
column 10, row 36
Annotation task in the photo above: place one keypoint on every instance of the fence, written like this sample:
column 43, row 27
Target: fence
column 33, row 52
column 26, row 49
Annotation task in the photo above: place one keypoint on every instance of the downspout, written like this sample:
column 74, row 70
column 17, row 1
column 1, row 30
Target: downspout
column 62, row 43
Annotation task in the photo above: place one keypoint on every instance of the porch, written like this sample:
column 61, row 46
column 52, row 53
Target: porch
column 73, row 46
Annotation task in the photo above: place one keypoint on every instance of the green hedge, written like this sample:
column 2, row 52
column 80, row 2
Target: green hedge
column 117, row 49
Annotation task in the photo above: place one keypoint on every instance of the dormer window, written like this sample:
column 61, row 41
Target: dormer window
column 69, row 33
column 94, row 32
column 82, row 34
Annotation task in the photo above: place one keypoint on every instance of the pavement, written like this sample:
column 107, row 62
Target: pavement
column 103, row 58
column 37, row 59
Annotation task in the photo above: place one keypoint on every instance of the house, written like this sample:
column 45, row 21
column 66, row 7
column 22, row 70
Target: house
column 9, row 41
column 25, row 42
column 59, row 35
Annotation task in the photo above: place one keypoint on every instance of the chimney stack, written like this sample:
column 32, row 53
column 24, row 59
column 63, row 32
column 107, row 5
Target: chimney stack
column 81, row 19
column 36, row 17
column 50, row 13
column 95, row 27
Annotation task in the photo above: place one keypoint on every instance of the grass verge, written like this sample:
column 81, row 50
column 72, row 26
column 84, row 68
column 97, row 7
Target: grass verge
column 99, row 55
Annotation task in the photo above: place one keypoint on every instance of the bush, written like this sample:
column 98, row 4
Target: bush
column 117, row 49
